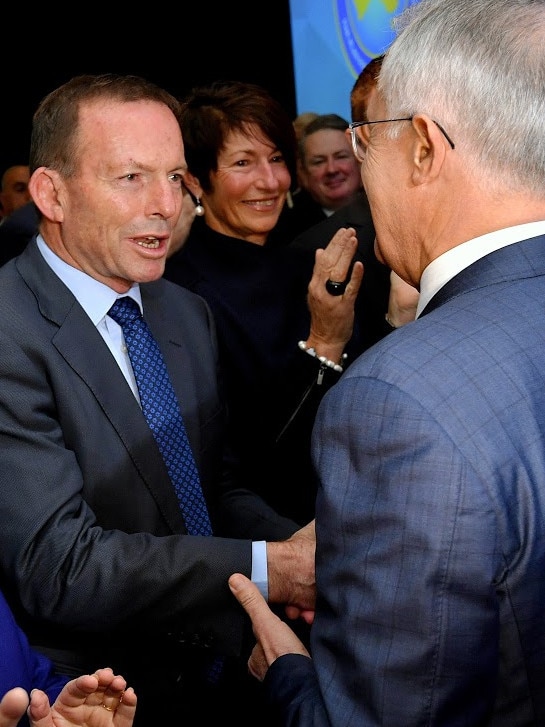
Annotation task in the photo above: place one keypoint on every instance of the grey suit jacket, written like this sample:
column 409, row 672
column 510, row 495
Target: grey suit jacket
column 430, row 518
column 92, row 538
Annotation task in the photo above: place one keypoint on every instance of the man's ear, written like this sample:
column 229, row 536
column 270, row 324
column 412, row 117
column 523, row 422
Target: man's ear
column 45, row 187
column 193, row 184
column 429, row 151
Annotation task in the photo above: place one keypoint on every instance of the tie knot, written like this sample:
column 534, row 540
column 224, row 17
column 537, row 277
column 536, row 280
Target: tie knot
column 125, row 310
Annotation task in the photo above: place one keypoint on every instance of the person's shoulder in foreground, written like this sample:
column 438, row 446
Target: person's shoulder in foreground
column 429, row 449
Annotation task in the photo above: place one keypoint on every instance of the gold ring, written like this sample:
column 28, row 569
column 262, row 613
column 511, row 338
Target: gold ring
column 110, row 709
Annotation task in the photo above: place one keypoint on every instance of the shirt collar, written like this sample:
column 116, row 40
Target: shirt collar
column 95, row 297
column 450, row 263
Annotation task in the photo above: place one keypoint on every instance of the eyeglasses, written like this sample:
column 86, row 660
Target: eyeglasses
column 360, row 133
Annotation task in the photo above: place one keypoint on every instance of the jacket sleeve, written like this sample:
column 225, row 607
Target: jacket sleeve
column 293, row 692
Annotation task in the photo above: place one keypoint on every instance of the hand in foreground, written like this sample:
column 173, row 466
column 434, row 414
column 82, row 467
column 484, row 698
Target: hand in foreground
column 332, row 316
column 291, row 572
column 13, row 707
column 274, row 637
column 101, row 699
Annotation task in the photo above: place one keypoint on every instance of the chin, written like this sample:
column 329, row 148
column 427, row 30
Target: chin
column 378, row 253
column 150, row 272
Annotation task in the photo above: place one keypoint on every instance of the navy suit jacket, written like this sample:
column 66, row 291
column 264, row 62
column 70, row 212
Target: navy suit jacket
column 430, row 517
column 92, row 538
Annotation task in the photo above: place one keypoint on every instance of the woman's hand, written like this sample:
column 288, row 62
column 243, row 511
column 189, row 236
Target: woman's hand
column 101, row 699
column 332, row 316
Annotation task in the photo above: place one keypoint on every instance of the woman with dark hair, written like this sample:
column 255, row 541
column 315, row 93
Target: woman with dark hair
column 240, row 149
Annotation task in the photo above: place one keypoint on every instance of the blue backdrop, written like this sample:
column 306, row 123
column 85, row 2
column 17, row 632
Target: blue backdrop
column 332, row 41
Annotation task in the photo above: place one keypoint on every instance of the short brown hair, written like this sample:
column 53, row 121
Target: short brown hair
column 362, row 87
column 55, row 122
column 212, row 111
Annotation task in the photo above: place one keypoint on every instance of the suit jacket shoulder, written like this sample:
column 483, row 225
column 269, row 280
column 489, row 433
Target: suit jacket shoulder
column 438, row 431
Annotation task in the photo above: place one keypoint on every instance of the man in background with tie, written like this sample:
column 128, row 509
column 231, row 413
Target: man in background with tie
column 111, row 555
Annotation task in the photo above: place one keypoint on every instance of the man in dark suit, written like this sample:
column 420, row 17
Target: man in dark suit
column 95, row 555
column 430, row 517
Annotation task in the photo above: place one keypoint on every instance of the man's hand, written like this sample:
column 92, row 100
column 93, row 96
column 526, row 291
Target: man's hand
column 274, row 637
column 291, row 573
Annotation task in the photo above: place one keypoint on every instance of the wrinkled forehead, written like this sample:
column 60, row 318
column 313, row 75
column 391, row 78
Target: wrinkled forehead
column 112, row 111
column 123, row 128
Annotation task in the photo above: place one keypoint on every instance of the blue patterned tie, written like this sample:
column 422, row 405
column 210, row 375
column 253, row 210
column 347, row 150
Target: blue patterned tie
column 162, row 412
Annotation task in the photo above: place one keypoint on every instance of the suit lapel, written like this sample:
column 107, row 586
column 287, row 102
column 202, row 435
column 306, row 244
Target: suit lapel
column 519, row 260
column 82, row 347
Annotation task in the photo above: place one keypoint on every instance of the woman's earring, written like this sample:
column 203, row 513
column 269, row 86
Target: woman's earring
column 199, row 209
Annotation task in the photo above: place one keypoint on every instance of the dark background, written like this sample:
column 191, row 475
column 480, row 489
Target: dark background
column 171, row 44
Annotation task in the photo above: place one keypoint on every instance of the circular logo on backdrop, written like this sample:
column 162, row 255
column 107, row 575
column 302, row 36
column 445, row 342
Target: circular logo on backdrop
column 365, row 28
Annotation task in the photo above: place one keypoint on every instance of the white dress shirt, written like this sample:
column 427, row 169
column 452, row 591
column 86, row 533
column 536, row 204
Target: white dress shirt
column 450, row 263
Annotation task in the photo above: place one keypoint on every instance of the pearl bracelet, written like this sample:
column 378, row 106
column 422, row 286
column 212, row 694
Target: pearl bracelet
column 322, row 359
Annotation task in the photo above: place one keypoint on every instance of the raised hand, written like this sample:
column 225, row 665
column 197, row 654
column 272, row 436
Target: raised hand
column 332, row 316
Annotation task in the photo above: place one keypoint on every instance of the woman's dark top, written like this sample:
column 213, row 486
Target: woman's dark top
column 258, row 297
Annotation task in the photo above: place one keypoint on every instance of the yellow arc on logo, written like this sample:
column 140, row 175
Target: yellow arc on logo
column 362, row 5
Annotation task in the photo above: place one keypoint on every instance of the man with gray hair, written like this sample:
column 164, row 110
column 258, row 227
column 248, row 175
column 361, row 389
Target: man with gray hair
column 430, row 517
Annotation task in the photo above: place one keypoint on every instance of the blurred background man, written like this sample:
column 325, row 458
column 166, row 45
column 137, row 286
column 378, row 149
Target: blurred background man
column 14, row 189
